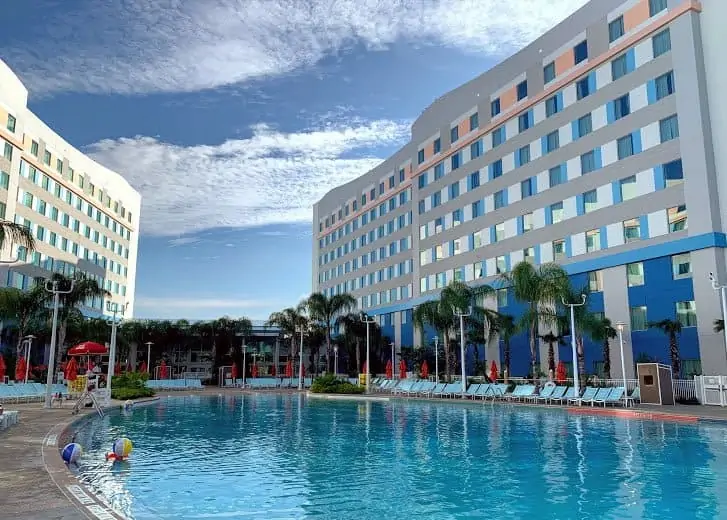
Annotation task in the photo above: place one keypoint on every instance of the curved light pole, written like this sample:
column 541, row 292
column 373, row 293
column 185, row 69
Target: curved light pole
column 335, row 360
column 115, row 309
column 28, row 341
column 53, row 287
column 620, row 326
column 368, row 321
column 721, row 288
column 576, row 380
column 462, row 315
column 300, row 329
column 393, row 359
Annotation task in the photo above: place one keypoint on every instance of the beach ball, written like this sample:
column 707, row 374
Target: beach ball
column 122, row 447
column 71, row 453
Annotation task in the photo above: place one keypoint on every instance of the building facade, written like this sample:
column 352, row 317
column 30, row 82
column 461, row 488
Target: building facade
column 84, row 217
column 598, row 146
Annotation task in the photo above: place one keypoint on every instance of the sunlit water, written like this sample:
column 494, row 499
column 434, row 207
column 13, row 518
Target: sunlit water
column 283, row 456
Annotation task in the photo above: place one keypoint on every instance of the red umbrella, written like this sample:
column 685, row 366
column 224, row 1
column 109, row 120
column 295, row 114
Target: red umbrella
column 163, row 373
column 234, row 371
column 363, row 370
column 402, row 369
column 254, row 371
column 389, row 370
column 20, row 367
column 560, row 372
column 3, row 368
column 289, row 369
column 493, row 371
column 272, row 370
column 144, row 368
column 71, row 370
column 88, row 348
column 425, row 370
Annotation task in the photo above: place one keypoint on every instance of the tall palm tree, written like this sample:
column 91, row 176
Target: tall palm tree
column 16, row 233
column 289, row 321
column 602, row 330
column 552, row 339
column 671, row 328
column 507, row 328
column 540, row 288
column 325, row 310
column 354, row 334
column 25, row 308
column 584, row 322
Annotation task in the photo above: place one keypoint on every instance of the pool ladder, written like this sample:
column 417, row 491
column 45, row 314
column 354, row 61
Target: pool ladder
column 82, row 400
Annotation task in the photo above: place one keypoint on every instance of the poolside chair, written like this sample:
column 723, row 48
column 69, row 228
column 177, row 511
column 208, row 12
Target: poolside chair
column 482, row 391
column 546, row 391
column 426, row 388
column 453, row 389
column 614, row 397
column 569, row 394
column 403, row 387
column 557, row 393
column 633, row 398
column 600, row 396
column 588, row 394
column 472, row 390
column 437, row 390
column 414, row 388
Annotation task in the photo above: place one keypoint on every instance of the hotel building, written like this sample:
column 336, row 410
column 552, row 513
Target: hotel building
column 84, row 217
column 597, row 146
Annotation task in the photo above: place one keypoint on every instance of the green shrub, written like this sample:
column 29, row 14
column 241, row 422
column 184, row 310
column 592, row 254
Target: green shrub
column 330, row 384
column 130, row 385
column 124, row 393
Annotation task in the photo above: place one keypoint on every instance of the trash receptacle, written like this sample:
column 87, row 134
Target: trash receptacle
column 655, row 383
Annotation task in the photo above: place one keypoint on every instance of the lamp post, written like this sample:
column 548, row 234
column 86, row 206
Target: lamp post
column 620, row 326
column 277, row 356
column 721, row 288
column 300, row 329
column 53, row 287
column 115, row 309
column 335, row 359
column 393, row 359
column 148, row 355
column 462, row 315
column 576, row 380
column 436, row 359
column 368, row 321
column 244, row 362
column 28, row 341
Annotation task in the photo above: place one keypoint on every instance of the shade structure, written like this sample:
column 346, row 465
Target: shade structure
column 3, row 367
column 234, row 371
column 163, row 370
column 493, row 371
column 143, row 367
column 389, row 370
column 88, row 348
column 20, row 367
column 71, row 372
column 289, row 369
column 425, row 369
column 560, row 373
column 254, row 371
column 402, row 369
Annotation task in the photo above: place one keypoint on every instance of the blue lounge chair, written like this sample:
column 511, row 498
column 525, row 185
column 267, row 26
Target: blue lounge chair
column 588, row 394
column 438, row 390
column 614, row 397
column 569, row 394
column 557, row 393
column 633, row 398
column 453, row 389
column 545, row 392
column 472, row 390
column 600, row 396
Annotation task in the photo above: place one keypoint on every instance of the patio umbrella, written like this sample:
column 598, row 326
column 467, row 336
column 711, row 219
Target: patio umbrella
column 402, row 369
column 144, row 368
column 88, row 348
column 425, row 369
column 234, row 371
column 3, row 367
column 272, row 370
column 363, row 370
column 71, row 370
column 289, row 369
column 493, row 371
column 117, row 368
column 20, row 369
column 560, row 373
column 254, row 371
column 389, row 370
column 163, row 371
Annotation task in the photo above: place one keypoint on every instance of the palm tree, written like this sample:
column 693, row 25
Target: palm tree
column 325, row 310
column 584, row 322
column 289, row 321
column 552, row 339
column 540, row 288
column 17, row 233
column 25, row 308
column 484, row 332
column 718, row 325
column 671, row 328
column 602, row 330
column 354, row 334
column 507, row 328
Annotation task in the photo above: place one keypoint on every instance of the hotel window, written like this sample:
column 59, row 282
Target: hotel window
column 523, row 122
column 4, row 180
column 59, row 165
column 34, row 148
column 529, row 255
column 664, row 85
column 681, row 266
column 475, row 150
column 638, row 318
column 474, row 180
column 422, row 207
column 619, row 67
column 677, row 218
column 440, row 280
column 632, row 230
column 661, row 43
column 669, row 128
column 28, row 199
column 499, row 198
column 478, row 238
column 420, row 156
column 11, row 123
column 474, row 121
column 552, row 142
column 593, row 240
column 628, row 188
column 621, row 107
column 558, row 250
column 616, row 29
column 498, row 136
column 436, row 199
column 673, row 173
column 402, row 178
column 588, row 162
column 479, row 270
column 8, row 151
column 46, row 158
column 582, row 88
column 453, row 190
column 580, row 52
column 501, row 265
column 502, row 297
column 438, row 225
column 595, row 281
column 549, row 72
column 526, row 188
column 635, row 274
column 556, row 176
column 527, row 222
column 524, row 155
column 499, row 232
column 625, row 146
column 477, row 209
column 422, row 182
column 497, row 169
column 457, row 217
column 556, row 212
column 392, row 182
column 590, row 201
column 454, row 134
column 455, row 161
column 456, row 246
column 438, row 171
column 551, row 106
column 656, row 6
column 495, row 107
column 522, row 90
column 437, row 145
column 687, row 313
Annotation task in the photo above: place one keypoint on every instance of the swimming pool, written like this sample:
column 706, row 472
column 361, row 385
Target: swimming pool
column 284, row 456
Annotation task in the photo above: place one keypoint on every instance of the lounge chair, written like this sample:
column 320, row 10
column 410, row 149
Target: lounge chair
column 404, row 386
column 600, row 396
column 426, row 388
column 482, row 391
column 614, row 397
column 569, row 394
column 438, row 390
column 453, row 389
column 633, row 398
column 520, row 392
column 557, row 393
column 588, row 394
column 472, row 390
column 545, row 392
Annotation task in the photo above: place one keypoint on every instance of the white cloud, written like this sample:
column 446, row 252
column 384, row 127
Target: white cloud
column 183, row 241
column 191, row 303
column 273, row 233
column 139, row 46
column 269, row 178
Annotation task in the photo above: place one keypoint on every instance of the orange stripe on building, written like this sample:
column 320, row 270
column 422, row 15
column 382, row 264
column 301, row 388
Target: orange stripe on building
column 637, row 15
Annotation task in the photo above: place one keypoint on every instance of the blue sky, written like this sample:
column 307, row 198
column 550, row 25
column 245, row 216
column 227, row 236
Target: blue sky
column 232, row 117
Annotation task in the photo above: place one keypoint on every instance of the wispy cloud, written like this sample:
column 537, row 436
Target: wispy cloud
column 183, row 241
column 190, row 302
column 269, row 178
column 140, row 46
column 273, row 233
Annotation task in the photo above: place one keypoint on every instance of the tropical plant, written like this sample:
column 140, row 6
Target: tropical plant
column 290, row 321
column 602, row 330
column 540, row 288
column 584, row 320
column 26, row 309
column 671, row 328
column 330, row 384
column 552, row 339
column 17, row 233
column 325, row 310
column 507, row 328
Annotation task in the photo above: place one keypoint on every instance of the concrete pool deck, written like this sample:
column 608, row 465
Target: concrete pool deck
column 36, row 485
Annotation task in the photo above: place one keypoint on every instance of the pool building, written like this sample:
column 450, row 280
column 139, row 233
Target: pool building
column 598, row 147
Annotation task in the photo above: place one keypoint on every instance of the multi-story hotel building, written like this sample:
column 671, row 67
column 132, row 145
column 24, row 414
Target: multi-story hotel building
column 84, row 217
column 599, row 146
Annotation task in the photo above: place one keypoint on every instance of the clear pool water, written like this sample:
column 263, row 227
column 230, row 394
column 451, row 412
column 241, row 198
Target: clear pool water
column 283, row 457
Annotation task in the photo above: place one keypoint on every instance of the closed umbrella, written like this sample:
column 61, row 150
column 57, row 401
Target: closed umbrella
column 163, row 370
column 234, row 371
column 71, row 370
column 272, row 370
column 389, row 370
column 289, row 369
column 3, row 368
column 402, row 369
column 560, row 373
column 425, row 369
column 117, row 368
column 493, row 372
column 20, row 367
column 254, row 371
column 144, row 368
column 364, row 369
